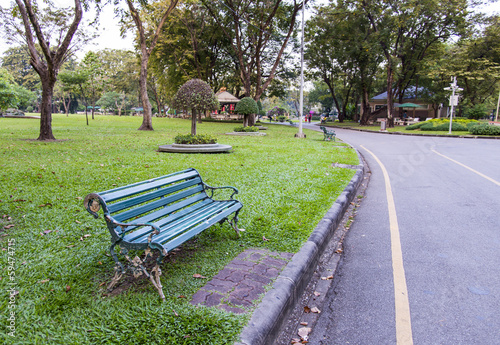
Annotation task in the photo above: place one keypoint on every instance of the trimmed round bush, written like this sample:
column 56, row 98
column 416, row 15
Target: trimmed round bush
column 246, row 106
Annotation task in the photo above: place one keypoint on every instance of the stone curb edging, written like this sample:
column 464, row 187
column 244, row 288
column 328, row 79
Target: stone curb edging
column 269, row 316
column 417, row 135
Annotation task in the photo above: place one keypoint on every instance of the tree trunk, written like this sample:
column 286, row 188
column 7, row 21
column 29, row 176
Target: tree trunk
column 46, row 109
column 147, row 122
column 365, row 107
column 390, row 105
column 245, row 120
column 251, row 120
column 193, row 122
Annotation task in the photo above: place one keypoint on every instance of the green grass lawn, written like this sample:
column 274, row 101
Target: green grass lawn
column 61, row 252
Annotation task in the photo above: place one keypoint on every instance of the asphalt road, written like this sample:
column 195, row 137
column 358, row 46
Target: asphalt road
column 447, row 221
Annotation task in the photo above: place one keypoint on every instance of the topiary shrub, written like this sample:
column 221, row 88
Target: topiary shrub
column 247, row 106
column 415, row 126
column 443, row 127
column 246, row 129
column 190, row 139
column 197, row 96
column 485, row 129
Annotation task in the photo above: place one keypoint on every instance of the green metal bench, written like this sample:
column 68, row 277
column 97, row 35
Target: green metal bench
column 328, row 134
column 159, row 214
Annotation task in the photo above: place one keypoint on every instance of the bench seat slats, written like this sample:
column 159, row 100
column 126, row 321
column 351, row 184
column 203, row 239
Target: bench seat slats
column 119, row 193
column 174, row 243
column 205, row 217
column 183, row 217
column 133, row 235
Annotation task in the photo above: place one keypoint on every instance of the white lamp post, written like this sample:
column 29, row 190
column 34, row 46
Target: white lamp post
column 453, row 98
column 300, row 134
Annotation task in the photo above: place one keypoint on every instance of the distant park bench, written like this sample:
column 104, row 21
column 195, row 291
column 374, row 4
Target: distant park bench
column 159, row 214
column 328, row 134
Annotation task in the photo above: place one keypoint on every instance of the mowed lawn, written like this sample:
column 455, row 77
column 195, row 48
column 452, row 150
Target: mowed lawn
column 61, row 254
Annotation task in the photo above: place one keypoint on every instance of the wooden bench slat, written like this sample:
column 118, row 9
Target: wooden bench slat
column 146, row 186
column 178, row 222
column 143, row 182
column 138, row 200
column 174, row 243
column 132, row 236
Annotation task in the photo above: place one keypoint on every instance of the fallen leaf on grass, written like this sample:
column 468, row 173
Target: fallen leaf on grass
column 316, row 310
column 8, row 226
column 196, row 275
column 44, row 281
column 181, row 296
column 78, row 222
column 70, row 246
column 175, row 313
column 102, row 283
column 304, row 332
column 264, row 238
column 68, row 288
column 47, row 204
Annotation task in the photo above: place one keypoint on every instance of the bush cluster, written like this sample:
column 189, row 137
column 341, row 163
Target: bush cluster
column 459, row 124
column 484, row 129
column 443, row 127
column 246, row 129
column 190, row 139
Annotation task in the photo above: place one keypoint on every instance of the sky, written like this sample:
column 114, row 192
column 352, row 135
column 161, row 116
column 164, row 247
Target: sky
column 110, row 31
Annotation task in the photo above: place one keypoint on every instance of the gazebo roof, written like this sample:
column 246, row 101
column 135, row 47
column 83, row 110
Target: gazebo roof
column 226, row 97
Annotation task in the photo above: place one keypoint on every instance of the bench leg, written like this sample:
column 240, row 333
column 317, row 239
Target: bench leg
column 119, row 269
column 234, row 224
column 155, row 279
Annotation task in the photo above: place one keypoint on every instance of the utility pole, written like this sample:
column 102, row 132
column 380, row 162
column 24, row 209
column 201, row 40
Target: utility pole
column 453, row 98
column 300, row 134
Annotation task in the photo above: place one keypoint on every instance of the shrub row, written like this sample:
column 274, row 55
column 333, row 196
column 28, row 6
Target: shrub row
column 246, row 129
column 190, row 139
column 484, row 129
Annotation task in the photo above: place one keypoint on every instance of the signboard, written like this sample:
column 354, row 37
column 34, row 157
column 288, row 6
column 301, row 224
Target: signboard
column 454, row 101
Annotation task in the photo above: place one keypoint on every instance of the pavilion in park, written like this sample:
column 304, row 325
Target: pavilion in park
column 227, row 103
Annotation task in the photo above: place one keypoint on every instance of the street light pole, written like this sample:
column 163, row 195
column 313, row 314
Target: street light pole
column 453, row 99
column 300, row 134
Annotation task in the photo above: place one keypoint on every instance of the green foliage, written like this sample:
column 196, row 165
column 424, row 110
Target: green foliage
column 484, row 129
column 197, row 95
column 246, row 129
column 459, row 124
column 281, row 118
column 246, row 106
column 190, row 139
column 476, row 112
column 443, row 127
column 48, row 196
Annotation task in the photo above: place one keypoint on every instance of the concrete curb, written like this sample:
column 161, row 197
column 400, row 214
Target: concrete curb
column 269, row 316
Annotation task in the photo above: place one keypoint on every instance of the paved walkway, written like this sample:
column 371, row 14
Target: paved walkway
column 236, row 287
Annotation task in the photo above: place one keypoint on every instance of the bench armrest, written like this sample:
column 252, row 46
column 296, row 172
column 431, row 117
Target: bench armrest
column 206, row 186
column 156, row 229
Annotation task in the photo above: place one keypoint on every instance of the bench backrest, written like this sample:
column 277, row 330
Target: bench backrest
column 159, row 196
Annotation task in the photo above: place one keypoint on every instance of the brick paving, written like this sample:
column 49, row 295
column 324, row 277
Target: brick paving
column 238, row 285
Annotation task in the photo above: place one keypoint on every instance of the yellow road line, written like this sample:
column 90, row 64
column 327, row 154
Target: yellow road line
column 466, row 167
column 404, row 334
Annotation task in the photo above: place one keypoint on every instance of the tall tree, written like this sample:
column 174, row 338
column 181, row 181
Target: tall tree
column 405, row 30
column 147, row 38
column 48, row 34
column 92, row 68
column 260, row 32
